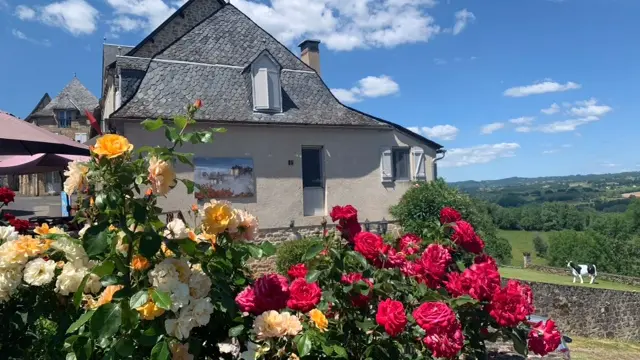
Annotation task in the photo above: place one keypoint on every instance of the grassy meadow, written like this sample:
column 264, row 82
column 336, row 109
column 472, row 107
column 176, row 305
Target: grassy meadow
column 522, row 241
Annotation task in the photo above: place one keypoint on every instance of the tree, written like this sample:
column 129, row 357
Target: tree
column 540, row 246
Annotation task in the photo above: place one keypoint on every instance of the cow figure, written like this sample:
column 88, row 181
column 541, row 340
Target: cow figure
column 579, row 270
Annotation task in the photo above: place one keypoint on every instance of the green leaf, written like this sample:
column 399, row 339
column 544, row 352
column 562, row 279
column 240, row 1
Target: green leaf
column 328, row 350
column 313, row 276
column 463, row 301
column 106, row 321
column 313, row 252
column 180, row 122
column 160, row 351
column 268, row 249
column 81, row 321
column 519, row 336
column 255, row 251
column 171, row 134
column 104, row 269
column 77, row 296
column 161, row 299
column 152, row 125
column 185, row 158
column 236, row 330
column 206, row 137
column 358, row 257
column 150, row 243
column 138, row 299
column 139, row 212
column 145, row 149
column 124, row 347
column 365, row 325
column 304, row 345
column 189, row 184
column 95, row 240
column 340, row 351
column 187, row 246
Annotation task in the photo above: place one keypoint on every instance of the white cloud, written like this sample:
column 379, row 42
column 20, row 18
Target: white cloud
column 345, row 25
column 144, row 15
column 441, row 132
column 480, row 154
column 524, row 129
column 22, row 36
column 490, row 128
column 553, row 109
column 74, row 16
column 547, row 86
column 523, row 120
column 25, row 13
column 463, row 18
column 566, row 125
column 589, row 108
column 369, row 87
column 125, row 24
column 609, row 164
column 548, row 152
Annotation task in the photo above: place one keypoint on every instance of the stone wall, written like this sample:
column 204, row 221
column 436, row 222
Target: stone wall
column 590, row 312
column 279, row 235
column 628, row 280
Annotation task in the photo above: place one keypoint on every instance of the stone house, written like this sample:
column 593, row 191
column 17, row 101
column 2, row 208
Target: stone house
column 291, row 150
column 63, row 115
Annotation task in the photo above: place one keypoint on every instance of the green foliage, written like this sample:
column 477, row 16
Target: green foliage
column 419, row 211
column 293, row 252
column 540, row 245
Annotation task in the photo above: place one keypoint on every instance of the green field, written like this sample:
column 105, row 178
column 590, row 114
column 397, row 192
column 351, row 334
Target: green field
column 522, row 241
column 531, row 275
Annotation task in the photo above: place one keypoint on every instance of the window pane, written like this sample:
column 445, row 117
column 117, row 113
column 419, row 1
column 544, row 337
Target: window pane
column 401, row 163
column 311, row 168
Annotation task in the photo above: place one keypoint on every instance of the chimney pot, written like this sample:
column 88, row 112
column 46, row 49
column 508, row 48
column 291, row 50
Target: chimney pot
column 310, row 54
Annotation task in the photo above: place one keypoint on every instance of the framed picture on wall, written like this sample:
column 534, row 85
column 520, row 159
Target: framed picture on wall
column 224, row 178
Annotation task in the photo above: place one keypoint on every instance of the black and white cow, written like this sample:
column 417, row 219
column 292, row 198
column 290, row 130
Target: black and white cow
column 579, row 270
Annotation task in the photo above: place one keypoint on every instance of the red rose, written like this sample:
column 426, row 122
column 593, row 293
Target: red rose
column 465, row 237
column 358, row 300
column 21, row 226
column 445, row 344
column 297, row 271
column 484, row 258
column 434, row 316
column 303, row 296
column 271, row 292
column 349, row 230
column 456, row 284
column 395, row 258
column 449, row 215
column 434, row 261
column 346, row 213
column 6, row 195
column 369, row 245
column 544, row 338
column 412, row 269
column 480, row 281
column 246, row 300
column 347, row 218
column 410, row 244
column 511, row 305
column 8, row 216
column 391, row 316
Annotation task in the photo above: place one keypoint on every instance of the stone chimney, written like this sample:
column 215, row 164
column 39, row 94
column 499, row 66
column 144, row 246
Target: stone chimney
column 310, row 54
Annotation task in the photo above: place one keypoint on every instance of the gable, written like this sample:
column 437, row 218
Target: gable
column 44, row 101
column 178, row 24
column 229, row 37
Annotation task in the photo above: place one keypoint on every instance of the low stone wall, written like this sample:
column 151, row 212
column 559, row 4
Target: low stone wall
column 628, row 280
column 589, row 312
column 279, row 235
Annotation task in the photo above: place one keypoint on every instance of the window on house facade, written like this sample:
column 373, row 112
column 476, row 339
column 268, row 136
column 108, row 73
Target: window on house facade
column 400, row 163
column 267, row 93
column 64, row 118
column 81, row 137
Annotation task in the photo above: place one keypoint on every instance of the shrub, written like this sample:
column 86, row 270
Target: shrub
column 540, row 246
column 291, row 252
column 419, row 210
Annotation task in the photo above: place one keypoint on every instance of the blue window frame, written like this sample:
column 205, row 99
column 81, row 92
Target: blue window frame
column 64, row 118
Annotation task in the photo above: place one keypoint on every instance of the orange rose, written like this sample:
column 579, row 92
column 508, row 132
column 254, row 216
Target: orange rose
column 197, row 104
column 140, row 263
column 112, row 146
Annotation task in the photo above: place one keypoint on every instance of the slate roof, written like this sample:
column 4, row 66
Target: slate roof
column 44, row 101
column 73, row 96
column 111, row 51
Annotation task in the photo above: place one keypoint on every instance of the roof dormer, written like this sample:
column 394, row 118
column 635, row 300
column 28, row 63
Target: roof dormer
column 265, row 79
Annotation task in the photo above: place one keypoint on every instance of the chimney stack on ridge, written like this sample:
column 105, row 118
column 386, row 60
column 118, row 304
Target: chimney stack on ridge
column 310, row 54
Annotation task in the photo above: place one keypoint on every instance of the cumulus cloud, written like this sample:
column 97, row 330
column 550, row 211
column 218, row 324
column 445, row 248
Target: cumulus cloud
column 566, row 125
column 132, row 15
column 588, row 108
column 22, row 36
column 582, row 112
column 463, row 18
column 490, row 128
column 480, row 154
column 523, row 120
column 553, row 109
column 441, row 132
column 524, row 129
column 369, row 87
column 77, row 17
column 547, row 86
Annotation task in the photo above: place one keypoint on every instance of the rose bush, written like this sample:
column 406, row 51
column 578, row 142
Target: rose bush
column 130, row 286
column 359, row 297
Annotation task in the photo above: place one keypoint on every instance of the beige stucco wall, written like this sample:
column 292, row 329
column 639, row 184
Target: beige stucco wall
column 351, row 165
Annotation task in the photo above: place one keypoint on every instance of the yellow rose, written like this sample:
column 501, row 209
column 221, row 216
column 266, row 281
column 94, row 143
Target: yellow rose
column 106, row 296
column 161, row 175
column 44, row 229
column 150, row 310
column 319, row 319
column 268, row 325
column 112, row 146
column 28, row 246
column 218, row 215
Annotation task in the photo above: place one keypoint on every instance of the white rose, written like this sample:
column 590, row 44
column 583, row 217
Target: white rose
column 180, row 327
column 179, row 297
column 84, row 230
column 76, row 175
column 8, row 233
column 9, row 281
column 176, row 229
column 201, row 310
column 164, row 276
column 70, row 279
column 74, row 252
column 39, row 272
column 199, row 283
column 11, row 256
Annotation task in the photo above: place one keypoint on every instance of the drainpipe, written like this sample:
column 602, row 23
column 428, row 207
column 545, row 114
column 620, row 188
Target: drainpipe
column 435, row 167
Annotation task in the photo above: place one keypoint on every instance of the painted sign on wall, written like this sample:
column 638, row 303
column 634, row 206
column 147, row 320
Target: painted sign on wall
column 224, row 178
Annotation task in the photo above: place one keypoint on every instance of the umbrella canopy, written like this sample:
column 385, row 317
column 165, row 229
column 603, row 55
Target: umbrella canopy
column 39, row 163
column 19, row 137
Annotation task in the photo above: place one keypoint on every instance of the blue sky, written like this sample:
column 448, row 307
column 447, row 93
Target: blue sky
column 455, row 70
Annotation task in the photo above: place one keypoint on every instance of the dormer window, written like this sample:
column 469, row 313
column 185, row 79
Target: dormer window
column 265, row 76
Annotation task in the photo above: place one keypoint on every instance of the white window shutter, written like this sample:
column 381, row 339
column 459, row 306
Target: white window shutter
column 419, row 173
column 386, row 172
column 261, row 89
column 274, row 90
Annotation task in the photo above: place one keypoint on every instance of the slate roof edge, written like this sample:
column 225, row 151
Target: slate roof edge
column 169, row 19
